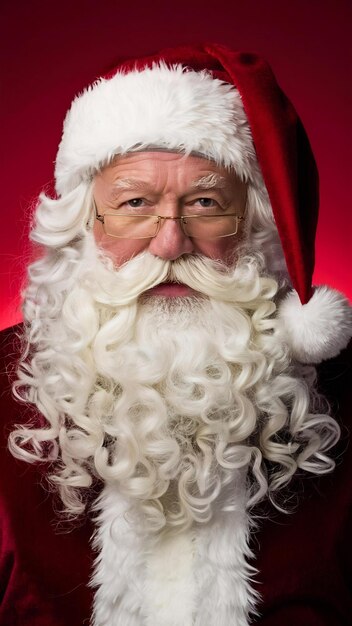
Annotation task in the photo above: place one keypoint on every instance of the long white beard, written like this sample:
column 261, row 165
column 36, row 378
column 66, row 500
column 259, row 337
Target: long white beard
column 198, row 576
column 166, row 405
column 172, row 405
column 176, row 424
column 179, row 407
column 173, row 380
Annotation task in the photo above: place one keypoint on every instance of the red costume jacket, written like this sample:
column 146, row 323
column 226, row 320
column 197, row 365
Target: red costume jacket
column 304, row 558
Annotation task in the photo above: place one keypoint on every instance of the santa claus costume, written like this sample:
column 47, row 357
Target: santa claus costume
column 194, row 460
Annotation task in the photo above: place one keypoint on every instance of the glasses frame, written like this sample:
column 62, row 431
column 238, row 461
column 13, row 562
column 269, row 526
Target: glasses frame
column 182, row 219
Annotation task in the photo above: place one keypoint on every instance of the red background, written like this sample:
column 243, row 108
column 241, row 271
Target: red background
column 51, row 50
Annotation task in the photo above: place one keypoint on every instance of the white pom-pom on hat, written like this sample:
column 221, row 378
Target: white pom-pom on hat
column 318, row 330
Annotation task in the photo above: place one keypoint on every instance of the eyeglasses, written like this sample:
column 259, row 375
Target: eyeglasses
column 129, row 226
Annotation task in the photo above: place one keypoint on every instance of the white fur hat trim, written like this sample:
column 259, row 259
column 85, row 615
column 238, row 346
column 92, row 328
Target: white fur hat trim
column 318, row 330
column 172, row 108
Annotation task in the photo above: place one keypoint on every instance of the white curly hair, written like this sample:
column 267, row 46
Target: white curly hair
column 166, row 401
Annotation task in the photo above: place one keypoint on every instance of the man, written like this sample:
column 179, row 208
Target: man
column 168, row 348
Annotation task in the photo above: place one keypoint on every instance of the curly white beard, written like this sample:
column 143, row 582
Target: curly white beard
column 178, row 420
column 168, row 400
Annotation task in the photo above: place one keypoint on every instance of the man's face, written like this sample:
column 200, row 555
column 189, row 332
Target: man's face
column 168, row 184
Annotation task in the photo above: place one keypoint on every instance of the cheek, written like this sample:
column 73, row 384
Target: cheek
column 219, row 249
column 120, row 250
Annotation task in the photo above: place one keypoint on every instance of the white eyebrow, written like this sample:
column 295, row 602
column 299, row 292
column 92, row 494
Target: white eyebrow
column 129, row 183
column 209, row 182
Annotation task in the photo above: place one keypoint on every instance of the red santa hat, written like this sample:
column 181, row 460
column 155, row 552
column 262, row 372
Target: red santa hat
column 228, row 107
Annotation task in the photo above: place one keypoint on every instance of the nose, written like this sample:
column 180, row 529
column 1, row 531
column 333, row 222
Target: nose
column 170, row 242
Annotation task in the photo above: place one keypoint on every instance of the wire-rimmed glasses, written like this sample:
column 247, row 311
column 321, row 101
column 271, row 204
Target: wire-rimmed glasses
column 203, row 226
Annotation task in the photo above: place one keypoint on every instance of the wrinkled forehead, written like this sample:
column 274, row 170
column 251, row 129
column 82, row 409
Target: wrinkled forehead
column 167, row 169
column 154, row 152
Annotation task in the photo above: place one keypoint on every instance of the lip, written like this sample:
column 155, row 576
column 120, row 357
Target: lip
column 171, row 290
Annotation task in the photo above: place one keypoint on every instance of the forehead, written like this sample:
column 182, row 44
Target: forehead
column 151, row 164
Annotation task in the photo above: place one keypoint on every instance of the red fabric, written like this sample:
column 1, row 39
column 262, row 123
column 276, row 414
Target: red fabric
column 304, row 559
column 43, row 570
column 282, row 146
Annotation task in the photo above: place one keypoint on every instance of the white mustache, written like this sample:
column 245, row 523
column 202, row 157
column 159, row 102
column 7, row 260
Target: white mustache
column 209, row 277
column 127, row 283
column 238, row 283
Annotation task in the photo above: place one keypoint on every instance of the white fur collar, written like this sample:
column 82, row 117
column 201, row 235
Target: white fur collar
column 197, row 578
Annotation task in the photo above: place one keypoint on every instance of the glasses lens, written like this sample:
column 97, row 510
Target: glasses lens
column 210, row 226
column 131, row 226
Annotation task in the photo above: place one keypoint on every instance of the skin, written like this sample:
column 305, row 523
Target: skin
column 165, row 185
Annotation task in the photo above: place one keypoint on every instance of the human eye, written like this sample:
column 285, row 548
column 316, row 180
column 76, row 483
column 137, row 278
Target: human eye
column 203, row 204
column 206, row 203
column 135, row 203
